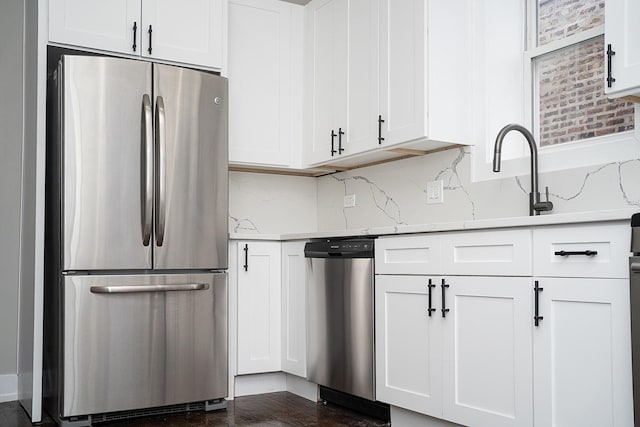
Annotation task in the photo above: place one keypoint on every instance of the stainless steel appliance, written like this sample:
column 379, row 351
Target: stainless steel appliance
column 340, row 304
column 136, row 239
column 634, row 294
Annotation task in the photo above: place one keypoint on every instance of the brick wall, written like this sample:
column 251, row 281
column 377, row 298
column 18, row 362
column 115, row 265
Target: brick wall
column 572, row 104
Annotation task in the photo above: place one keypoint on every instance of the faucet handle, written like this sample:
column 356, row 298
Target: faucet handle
column 544, row 206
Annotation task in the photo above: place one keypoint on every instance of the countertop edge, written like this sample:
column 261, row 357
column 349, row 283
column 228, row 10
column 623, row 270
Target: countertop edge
column 481, row 224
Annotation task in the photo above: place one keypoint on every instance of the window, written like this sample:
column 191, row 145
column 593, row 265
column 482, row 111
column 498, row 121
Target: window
column 540, row 63
column 567, row 66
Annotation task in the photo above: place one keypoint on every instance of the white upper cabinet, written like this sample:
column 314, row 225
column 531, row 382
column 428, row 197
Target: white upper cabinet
column 622, row 33
column 265, row 82
column 425, row 83
column 382, row 73
column 189, row 31
column 98, row 24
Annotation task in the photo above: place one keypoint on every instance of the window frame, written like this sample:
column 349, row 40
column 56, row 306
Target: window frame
column 616, row 147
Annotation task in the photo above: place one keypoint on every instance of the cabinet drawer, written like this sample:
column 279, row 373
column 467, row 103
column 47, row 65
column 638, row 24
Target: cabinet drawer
column 594, row 250
column 418, row 254
column 487, row 253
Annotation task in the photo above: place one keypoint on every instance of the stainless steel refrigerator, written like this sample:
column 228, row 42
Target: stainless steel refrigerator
column 136, row 239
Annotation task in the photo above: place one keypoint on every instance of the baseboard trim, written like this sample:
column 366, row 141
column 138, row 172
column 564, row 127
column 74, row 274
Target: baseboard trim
column 8, row 388
column 301, row 387
column 247, row 385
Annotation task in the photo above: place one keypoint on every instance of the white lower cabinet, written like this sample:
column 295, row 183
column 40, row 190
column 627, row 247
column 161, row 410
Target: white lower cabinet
column 582, row 353
column 484, row 361
column 259, row 306
column 408, row 344
column 294, row 335
column 471, row 363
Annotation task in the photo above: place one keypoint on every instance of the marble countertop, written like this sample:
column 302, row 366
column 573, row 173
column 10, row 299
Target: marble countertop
column 522, row 221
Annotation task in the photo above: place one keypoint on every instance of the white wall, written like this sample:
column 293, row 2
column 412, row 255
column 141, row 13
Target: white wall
column 11, row 102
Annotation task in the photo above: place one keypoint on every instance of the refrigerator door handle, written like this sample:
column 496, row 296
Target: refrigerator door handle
column 147, row 172
column 160, row 170
column 100, row 289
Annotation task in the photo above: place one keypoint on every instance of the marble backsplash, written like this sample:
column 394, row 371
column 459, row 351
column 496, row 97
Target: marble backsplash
column 394, row 194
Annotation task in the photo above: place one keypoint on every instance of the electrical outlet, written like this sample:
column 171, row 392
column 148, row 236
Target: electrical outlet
column 349, row 201
column 435, row 192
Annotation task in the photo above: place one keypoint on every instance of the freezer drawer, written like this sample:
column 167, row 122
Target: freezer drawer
column 132, row 342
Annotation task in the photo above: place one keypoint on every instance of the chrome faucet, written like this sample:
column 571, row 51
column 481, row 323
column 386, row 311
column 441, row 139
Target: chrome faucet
column 535, row 205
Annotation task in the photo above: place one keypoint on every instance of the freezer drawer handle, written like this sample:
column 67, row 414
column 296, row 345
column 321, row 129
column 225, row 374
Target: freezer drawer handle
column 585, row 253
column 148, row 288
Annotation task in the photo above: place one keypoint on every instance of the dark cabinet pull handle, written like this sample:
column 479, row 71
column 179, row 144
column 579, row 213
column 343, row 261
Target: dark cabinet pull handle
column 536, row 291
column 246, row 257
column 610, row 53
column 567, row 253
column 150, row 34
column 340, row 133
column 444, row 310
column 135, row 30
column 333, row 137
column 380, row 122
column 430, row 309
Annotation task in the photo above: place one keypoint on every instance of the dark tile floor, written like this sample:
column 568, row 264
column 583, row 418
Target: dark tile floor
column 268, row 410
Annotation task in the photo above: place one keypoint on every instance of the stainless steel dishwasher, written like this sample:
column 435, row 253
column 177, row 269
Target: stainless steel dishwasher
column 340, row 328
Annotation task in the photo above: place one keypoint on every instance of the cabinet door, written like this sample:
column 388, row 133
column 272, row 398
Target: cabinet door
column 358, row 82
column 189, row 31
column 98, row 24
column 408, row 344
column 263, row 93
column 487, row 360
column 326, row 22
column 623, row 34
column 294, row 336
column 425, row 78
column 582, row 352
column 259, row 305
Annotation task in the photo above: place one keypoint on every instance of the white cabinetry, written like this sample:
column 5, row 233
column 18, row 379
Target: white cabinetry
column 294, row 336
column 265, row 83
column 583, row 353
column 456, row 347
column 582, row 346
column 408, row 344
column 99, row 24
column 487, row 351
column 549, row 350
column 623, row 34
column 190, row 31
column 379, row 74
column 259, row 306
column 343, row 76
